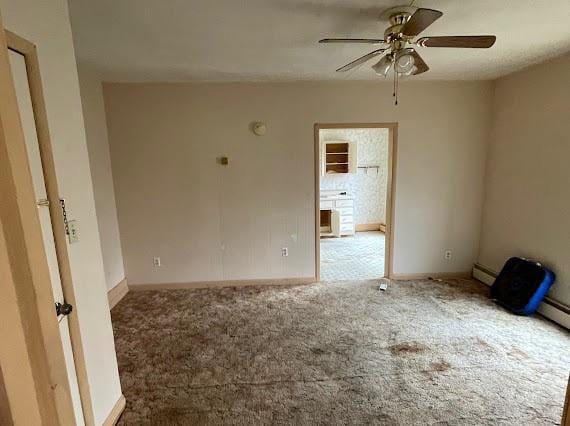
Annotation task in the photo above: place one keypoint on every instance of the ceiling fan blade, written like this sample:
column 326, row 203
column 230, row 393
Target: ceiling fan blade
column 476, row 42
column 419, row 63
column 353, row 40
column 360, row 60
column 420, row 20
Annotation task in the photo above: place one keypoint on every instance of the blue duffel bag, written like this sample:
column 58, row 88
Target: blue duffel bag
column 521, row 285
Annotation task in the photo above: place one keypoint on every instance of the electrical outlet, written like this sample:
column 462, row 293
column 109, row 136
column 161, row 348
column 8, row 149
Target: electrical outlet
column 284, row 251
column 73, row 231
column 447, row 255
column 156, row 261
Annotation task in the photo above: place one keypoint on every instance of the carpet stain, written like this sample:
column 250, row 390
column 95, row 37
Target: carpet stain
column 440, row 366
column 483, row 344
column 407, row 348
column 517, row 353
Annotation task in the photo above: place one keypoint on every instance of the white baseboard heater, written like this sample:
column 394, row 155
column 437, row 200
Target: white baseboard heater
column 551, row 309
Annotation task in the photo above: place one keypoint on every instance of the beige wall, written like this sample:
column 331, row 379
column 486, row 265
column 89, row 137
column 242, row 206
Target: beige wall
column 527, row 197
column 46, row 23
column 209, row 222
column 101, row 174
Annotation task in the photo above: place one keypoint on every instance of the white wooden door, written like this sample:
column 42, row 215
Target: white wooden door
column 19, row 74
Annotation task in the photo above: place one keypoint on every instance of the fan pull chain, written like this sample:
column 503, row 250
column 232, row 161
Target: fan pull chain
column 394, row 92
column 396, row 87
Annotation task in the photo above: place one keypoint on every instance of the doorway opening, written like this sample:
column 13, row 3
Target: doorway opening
column 354, row 199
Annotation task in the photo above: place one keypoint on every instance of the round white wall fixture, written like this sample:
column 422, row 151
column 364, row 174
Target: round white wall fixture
column 259, row 128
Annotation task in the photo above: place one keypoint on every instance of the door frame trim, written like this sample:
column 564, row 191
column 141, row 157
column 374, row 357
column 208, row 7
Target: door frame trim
column 53, row 346
column 390, row 192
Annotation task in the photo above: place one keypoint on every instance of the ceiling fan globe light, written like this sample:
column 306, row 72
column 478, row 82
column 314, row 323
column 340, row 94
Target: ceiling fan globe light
column 404, row 63
column 412, row 71
column 382, row 67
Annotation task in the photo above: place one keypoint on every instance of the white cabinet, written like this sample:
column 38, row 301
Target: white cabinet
column 338, row 157
column 337, row 216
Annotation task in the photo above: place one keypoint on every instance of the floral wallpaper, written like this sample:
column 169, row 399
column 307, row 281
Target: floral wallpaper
column 368, row 187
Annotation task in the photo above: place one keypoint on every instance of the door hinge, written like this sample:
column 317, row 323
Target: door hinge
column 65, row 222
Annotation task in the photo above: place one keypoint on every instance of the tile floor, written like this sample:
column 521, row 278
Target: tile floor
column 359, row 257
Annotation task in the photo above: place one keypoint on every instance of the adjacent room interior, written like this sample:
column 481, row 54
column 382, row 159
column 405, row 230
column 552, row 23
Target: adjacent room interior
column 283, row 212
column 353, row 191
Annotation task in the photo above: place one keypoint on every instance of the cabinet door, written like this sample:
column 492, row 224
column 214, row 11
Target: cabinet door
column 352, row 157
column 335, row 223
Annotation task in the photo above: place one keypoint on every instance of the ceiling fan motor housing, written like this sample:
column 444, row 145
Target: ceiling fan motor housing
column 394, row 32
column 400, row 18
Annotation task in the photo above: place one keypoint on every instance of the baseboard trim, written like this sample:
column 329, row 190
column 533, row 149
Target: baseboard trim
column 227, row 283
column 428, row 275
column 117, row 293
column 116, row 412
column 549, row 308
column 363, row 227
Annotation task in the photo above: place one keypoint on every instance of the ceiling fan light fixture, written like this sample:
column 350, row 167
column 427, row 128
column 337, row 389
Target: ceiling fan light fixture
column 404, row 63
column 412, row 71
column 406, row 24
column 382, row 67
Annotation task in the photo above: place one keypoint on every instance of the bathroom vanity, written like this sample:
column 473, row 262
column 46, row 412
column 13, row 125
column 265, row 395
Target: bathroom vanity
column 336, row 213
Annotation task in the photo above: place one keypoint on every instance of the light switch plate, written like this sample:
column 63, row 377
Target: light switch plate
column 73, row 231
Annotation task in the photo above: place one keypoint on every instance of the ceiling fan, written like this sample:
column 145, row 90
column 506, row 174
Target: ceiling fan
column 398, row 38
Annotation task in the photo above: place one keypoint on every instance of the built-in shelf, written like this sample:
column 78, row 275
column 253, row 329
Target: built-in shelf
column 338, row 157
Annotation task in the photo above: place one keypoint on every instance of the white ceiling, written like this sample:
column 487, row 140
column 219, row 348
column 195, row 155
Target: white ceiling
column 231, row 40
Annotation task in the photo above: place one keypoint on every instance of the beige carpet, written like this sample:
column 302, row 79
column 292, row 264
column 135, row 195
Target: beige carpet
column 340, row 353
